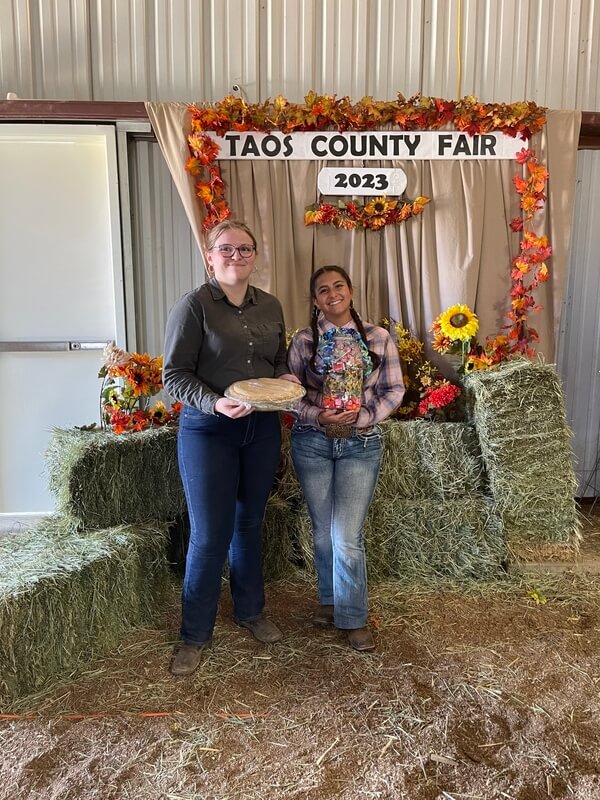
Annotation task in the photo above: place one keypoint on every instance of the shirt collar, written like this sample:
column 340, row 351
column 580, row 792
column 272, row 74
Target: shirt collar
column 325, row 325
column 219, row 294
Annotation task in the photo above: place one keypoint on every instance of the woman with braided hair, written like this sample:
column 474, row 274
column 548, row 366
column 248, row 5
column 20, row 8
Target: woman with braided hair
column 353, row 380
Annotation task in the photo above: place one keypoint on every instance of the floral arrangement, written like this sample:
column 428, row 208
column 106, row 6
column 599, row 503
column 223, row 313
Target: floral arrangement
column 454, row 332
column 428, row 393
column 321, row 112
column 125, row 404
column 373, row 215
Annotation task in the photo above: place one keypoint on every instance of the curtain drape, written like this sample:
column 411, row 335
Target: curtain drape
column 458, row 251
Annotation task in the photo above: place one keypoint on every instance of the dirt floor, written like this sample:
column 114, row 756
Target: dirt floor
column 473, row 692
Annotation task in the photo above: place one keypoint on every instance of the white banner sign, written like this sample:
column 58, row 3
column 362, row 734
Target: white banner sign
column 361, row 181
column 366, row 145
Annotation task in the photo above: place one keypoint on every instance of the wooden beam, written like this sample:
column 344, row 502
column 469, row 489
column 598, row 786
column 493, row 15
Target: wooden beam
column 589, row 133
column 71, row 110
column 110, row 111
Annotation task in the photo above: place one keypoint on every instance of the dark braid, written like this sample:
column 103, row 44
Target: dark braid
column 375, row 359
column 315, row 333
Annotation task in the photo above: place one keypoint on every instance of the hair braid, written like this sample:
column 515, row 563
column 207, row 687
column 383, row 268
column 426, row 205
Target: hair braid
column 375, row 359
column 315, row 333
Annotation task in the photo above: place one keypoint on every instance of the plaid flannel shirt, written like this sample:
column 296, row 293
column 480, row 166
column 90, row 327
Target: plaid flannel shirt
column 382, row 391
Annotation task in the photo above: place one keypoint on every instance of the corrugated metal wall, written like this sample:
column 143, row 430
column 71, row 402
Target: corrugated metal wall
column 168, row 262
column 497, row 50
column 579, row 343
column 543, row 50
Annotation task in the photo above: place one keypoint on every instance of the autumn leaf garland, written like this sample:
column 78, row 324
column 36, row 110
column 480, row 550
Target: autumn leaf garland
column 329, row 112
column 322, row 112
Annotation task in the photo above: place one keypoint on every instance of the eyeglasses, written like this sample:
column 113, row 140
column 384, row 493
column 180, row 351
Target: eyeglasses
column 227, row 250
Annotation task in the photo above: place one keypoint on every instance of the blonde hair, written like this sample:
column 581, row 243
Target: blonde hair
column 211, row 236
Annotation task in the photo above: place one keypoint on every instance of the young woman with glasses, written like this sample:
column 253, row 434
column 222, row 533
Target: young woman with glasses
column 222, row 332
column 353, row 380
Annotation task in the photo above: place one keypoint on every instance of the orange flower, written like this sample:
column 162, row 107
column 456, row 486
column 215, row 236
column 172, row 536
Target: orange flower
column 204, row 192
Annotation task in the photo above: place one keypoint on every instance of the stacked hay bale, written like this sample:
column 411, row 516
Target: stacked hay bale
column 67, row 596
column 449, row 500
column 430, row 517
column 73, row 585
column 102, row 479
column 520, row 421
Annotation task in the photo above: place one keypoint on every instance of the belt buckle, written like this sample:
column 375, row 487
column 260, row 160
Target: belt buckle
column 336, row 430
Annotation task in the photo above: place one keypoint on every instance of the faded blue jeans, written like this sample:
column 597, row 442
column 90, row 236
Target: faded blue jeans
column 227, row 467
column 338, row 478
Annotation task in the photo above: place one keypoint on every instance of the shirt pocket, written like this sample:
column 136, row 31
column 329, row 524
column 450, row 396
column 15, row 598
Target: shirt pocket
column 268, row 336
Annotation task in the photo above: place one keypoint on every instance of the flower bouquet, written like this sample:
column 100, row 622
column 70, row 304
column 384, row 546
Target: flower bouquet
column 454, row 332
column 128, row 382
column 428, row 393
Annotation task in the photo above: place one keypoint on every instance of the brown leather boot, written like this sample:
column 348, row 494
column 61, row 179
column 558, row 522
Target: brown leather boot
column 262, row 629
column 187, row 657
column 361, row 639
column 323, row 616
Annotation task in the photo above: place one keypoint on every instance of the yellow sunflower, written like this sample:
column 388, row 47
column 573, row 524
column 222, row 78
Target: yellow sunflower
column 379, row 206
column 458, row 323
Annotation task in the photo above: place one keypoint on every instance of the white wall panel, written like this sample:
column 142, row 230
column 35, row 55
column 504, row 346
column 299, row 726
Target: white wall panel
column 289, row 48
column 343, row 47
column 509, row 50
column 579, row 341
column 440, row 62
column 63, row 48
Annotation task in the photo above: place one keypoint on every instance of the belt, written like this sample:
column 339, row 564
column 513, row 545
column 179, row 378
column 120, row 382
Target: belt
column 338, row 431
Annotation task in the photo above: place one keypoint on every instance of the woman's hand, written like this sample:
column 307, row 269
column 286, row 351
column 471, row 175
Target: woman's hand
column 331, row 416
column 233, row 408
column 291, row 378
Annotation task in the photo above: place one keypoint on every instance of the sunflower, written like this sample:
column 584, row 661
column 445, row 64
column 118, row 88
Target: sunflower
column 379, row 206
column 458, row 323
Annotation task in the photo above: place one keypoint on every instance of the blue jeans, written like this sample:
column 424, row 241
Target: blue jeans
column 338, row 478
column 227, row 467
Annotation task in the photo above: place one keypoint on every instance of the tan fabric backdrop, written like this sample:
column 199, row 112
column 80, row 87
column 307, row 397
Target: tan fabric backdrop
column 458, row 251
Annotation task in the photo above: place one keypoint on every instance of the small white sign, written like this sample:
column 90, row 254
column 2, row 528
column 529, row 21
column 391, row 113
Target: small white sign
column 361, row 181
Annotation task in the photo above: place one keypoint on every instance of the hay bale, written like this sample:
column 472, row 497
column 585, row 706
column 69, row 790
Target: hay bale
column 420, row 540
column 67, row 597
column 430, row 516
column 430, row 461
column 420, row 460
column 519, row 417
column 277, row 539
column 101, row 479
column 286, row 484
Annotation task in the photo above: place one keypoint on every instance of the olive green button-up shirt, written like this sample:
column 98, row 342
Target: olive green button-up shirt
column 211, row 343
